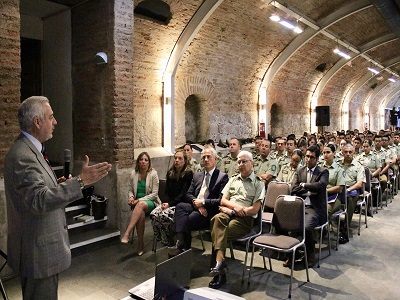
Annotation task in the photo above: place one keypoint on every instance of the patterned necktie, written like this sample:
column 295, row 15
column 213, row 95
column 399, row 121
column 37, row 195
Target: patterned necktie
column 207, row 179
column 309, row 175
column 44, row 153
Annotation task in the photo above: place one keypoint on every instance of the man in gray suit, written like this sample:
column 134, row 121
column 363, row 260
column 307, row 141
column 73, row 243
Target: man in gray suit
column 202, row 201
column 310, row 183
column 38, row 245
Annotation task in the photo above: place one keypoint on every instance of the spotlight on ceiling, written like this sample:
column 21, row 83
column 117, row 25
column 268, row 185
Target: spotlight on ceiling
column 375, row 71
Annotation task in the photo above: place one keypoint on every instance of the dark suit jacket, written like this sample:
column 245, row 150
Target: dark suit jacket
column 218, row 181
column 317, row 185
column 38, row 244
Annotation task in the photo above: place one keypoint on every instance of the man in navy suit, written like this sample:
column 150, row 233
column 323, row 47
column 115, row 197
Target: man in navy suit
column 38, row 245
column 202, row 201
column 310, row 183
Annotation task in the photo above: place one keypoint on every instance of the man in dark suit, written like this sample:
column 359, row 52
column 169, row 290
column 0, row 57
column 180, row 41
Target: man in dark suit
column 38, row 245
column 202, row 201
column 310, row 183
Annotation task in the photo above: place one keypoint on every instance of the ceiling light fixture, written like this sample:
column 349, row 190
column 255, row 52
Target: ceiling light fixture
column 392, row 79
column 275, row 18
column 375, row 71
column 341, row 53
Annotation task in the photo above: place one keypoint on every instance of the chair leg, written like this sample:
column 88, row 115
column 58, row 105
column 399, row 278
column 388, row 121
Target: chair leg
column 202, row 242
column 154, row 244
column 245, row 259
column 3, row 291
column 359, row 219
column 231, row 249
column 251, row 265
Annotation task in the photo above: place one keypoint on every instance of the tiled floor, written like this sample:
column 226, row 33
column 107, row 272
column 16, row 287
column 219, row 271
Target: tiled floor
column 368, row 267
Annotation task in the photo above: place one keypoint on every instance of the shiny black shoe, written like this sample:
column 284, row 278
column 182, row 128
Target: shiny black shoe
column 218, row 270
column 343, row 238
column 369, row 213
column 218, row 281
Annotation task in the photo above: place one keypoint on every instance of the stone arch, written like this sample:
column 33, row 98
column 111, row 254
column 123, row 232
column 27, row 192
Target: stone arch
column 195, row 94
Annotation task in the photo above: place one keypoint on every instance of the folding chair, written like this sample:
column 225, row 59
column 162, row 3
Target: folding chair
column 364, row 198
column 288, row 216
column 255, row 232
column 376, row 185
column 341, row 212
column 3, row 291
column 275, row 188
column 321, row 231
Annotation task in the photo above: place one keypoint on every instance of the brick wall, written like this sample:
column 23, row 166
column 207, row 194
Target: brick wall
column 9, row 95
column 9, row 75
column 103, row 111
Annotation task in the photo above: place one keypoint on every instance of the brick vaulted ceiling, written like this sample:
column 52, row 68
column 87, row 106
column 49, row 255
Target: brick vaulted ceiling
column 368, row 30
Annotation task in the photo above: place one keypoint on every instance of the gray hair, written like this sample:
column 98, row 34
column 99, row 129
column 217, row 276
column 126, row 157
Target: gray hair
column 30, row 108
column 213, row 151
column 246, row 153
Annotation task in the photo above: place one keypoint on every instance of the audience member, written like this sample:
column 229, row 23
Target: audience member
column 202, row 202
column 287, row 172
column 142, row 197
column 241, row 200
column 229, row 162
column 265, row 167
column 178, row 180
column 192, row 162
column 355, row 176
column 336, row 178
column 310, row 183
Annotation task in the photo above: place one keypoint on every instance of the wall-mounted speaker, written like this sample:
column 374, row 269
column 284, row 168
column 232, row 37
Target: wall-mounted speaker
column 156, row 10
column 322, row 116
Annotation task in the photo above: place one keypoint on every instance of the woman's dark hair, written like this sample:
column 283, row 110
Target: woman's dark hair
column 139, row 158
column 173, row 173
column 368, row 141
column 332, row 147
column 298, row 152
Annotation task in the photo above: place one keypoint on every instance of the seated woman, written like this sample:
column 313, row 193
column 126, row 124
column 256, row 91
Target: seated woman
column 143, row 197
column 178, row 182
column 336, row 178
column 287, row 171
column 369, row 159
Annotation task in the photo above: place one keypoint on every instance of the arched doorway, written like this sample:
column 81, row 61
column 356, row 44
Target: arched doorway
column 197, row 125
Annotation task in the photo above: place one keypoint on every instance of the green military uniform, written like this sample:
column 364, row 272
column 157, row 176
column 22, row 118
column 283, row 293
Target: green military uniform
column 354, row 172
column 281, row 158
column 356, row 155
column 243, row 191
column 286, row 174
column 195, row 166
column 339, row 156
column 370, row 160
column 337, row 177
column 266, row 166
column 229, row 165
column 383, row 158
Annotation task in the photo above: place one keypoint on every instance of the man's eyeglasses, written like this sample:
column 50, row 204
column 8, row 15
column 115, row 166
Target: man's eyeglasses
column 242, row 161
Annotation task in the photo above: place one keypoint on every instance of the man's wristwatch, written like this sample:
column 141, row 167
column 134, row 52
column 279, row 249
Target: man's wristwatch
column 80, row 181
column 203, row 202
column 233, row 213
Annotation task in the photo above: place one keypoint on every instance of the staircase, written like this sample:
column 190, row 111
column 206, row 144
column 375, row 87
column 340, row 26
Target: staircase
column 86, row 233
